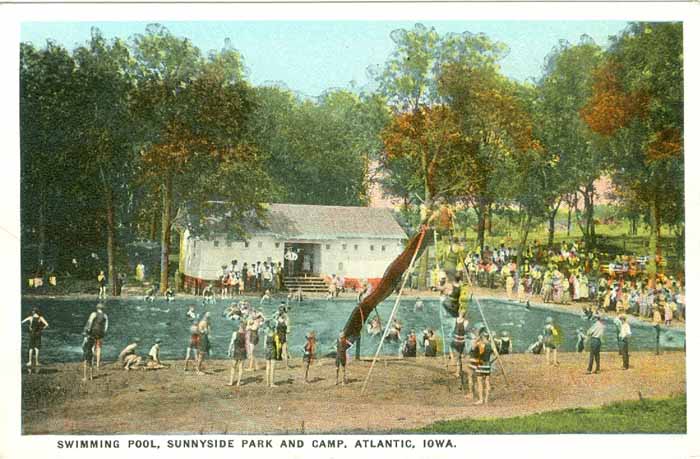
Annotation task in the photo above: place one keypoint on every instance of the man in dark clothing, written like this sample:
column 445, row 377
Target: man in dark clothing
column 95, row 328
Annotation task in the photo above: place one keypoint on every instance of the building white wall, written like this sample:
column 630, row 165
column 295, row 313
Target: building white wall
column 204, row 258
column 354, row 258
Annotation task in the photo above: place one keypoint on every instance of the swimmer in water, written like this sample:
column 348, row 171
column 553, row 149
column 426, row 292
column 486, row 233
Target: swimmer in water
column 410, row 345
column 208, row 294
column 151, row 294
column 374, row 328
column 394, row 333
column 266, row 298
column 169, row 295
column 418, row 306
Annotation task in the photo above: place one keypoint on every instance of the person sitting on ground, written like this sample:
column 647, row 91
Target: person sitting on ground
column 128, row 357
column 504, row 344
column 153, row 362
column 537, row 346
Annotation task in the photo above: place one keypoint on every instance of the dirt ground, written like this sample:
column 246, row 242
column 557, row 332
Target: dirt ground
column 402, row 394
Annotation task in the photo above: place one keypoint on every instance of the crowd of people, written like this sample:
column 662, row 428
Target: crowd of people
column 572, row 275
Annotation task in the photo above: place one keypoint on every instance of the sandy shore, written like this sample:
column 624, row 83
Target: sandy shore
column 402, row 394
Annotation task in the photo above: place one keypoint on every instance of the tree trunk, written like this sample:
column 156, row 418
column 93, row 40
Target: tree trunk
column 481, row 226
column 111, row 271
column 153, row 230
column 165, row 232
column 41, row 252
column 568, row 218
column 588, row 227
column 489, row 219
column 653, row 243
column 524, row 232
column 552, row 221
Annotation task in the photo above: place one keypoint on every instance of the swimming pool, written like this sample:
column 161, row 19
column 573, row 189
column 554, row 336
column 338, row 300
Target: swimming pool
column 131, row 319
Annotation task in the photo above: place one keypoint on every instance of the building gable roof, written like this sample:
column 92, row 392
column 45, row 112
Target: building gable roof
column 308, row 222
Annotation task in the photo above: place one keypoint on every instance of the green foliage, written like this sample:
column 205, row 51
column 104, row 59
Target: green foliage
column 648, row 416
column 319, row 152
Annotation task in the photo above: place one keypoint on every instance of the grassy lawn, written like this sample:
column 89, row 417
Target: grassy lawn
column 648, row 416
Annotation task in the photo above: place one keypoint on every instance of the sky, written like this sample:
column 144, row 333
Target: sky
column 312, row 56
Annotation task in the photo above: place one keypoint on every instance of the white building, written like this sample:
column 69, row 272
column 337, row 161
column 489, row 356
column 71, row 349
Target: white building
column 353, row 242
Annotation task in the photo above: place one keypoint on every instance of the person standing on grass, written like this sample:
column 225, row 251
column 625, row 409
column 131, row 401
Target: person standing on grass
column 88, row 347
column 625, row 335
column 341, row 358
column 96, row 327
column 102, row 283
column 309, row 353
column 484, row 351
column 595, row 334
column 271, row 351
column 238, row 350
column 550, row 338
column 36, row 324
column 656, row 320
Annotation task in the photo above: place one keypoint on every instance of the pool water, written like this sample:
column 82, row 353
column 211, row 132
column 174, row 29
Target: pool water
column 131, row 319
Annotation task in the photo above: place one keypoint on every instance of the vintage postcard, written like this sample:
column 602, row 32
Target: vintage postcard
column 239, row 231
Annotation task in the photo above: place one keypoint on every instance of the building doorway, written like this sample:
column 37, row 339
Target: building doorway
column 302, row 259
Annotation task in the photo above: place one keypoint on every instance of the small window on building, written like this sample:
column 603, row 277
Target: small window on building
column 216, row 243
column 345, row 246
column 371, row 247
column 247, row 244
column 328, row 246
column 355, row 246
column 260, row 244
column 277, row 245
column 383, row 248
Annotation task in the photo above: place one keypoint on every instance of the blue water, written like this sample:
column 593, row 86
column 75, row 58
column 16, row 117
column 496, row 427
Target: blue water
column 132, row 319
